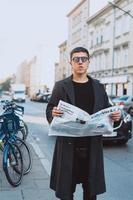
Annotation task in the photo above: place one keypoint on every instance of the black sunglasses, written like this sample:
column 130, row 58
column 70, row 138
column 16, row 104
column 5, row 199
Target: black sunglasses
column 78, row 59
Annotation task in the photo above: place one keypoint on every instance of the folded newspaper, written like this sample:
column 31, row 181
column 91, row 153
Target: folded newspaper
column 74, row 122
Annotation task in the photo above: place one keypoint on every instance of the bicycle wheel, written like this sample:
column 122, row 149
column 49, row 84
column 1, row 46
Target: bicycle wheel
column 24, row 129
column 21, row 133
column 13, row 164
column 26, row 155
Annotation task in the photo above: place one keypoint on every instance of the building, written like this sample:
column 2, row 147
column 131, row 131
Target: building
column 62, row 68
column 57, row 72
column 28, row 73
column 77, row 27
column 23, row 75
column 35, row 78
column 77, row 36
column 108, row 36
column 110, row 41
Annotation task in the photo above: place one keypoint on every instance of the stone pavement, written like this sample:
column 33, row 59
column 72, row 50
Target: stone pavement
column 35, row 185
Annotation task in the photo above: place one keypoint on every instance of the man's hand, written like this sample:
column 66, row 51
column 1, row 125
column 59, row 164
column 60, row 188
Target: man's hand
column 115, row 116
column 56, row 112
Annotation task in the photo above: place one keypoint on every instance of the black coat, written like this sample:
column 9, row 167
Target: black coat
column 61, row 173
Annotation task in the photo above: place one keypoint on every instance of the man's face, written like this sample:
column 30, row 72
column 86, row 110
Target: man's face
column 79, row 62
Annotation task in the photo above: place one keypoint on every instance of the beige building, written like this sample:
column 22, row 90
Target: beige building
column 57, row 73
column 77, row 27
column 35, row 76
column 31, row 73
column 110, row 41
column 23, row 75
column 61, row 69
column 28, row 72
column 77, row 34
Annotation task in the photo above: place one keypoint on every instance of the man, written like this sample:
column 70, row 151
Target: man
column 78, row 160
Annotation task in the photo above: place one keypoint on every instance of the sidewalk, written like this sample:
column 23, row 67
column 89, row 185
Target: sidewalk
column 35, row 185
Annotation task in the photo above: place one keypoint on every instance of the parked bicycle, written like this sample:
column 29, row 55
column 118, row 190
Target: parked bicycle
column 17, row 112
column 16, row 152
column 12, row 155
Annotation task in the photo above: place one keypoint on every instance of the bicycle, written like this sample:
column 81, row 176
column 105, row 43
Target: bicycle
column 12, row 156
column 14, row 126
column 10, row 127
column 17, row 111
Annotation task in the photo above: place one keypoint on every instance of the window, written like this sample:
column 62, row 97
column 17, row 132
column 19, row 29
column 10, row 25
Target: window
column 96, row 37
column 101, row 39
column 118, row 27
column 117, row 58
column 106, row 60
column 126, row 23
column 106, row 34
column 125, row 87
column 77, row 19
column 91, row 40
column 100, row 62
column 125, row 56
column 96, row 63
column 76, row 36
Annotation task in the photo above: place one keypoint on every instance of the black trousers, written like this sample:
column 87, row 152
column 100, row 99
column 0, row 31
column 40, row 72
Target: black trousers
column 86, row 192
column 86, row 195
column 80, row 169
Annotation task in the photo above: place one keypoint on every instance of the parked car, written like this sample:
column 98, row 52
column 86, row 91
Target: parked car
column 112, row 97
column 46, row 97
column 123, row 133
column 41, row 97
column 36, row 96
column 126, row 101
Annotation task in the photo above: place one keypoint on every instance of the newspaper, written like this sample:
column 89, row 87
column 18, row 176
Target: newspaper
column 74, row 122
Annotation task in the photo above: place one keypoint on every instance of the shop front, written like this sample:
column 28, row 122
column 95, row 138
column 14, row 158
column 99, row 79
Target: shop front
column 118, row 85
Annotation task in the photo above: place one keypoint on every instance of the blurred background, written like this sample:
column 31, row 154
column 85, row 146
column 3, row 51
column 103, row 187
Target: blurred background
column 36, row 38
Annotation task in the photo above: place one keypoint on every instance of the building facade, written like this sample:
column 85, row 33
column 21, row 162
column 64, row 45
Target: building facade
column 23, row 75
column 77, row 27
column 110, row 41
column 77, row 36
column 28, row 73
column 108, row 35
column 61, row 68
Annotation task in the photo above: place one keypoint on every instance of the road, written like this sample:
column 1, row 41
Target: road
column 118, row 159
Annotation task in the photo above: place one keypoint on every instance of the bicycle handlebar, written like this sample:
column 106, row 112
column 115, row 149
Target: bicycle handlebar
column 12, row 105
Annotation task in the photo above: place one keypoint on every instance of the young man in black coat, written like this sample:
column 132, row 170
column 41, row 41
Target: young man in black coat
column 78, row 160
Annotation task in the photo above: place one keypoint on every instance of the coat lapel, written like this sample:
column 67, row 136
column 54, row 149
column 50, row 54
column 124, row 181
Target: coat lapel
column 95, row 91
column 68, row 86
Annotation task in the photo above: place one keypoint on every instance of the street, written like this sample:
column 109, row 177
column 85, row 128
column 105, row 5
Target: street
column 118, row 159
column 118, row 162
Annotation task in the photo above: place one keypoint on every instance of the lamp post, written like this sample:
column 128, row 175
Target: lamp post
column 115, row 6
column 114, row 26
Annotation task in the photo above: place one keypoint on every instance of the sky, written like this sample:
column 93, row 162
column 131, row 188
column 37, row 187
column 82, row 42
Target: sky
column 28, row 27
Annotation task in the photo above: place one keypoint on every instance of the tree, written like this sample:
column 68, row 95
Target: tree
column 6, row 84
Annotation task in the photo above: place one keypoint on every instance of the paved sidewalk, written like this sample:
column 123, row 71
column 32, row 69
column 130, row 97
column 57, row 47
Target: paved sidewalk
column 35, row 185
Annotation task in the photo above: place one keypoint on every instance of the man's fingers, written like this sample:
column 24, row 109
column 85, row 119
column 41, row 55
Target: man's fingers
column 56, row 112
column 116, row 115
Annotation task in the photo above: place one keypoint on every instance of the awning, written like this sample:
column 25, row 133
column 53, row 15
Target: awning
column 114, row 79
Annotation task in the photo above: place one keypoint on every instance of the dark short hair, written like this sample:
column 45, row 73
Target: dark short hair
column 79, row 49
